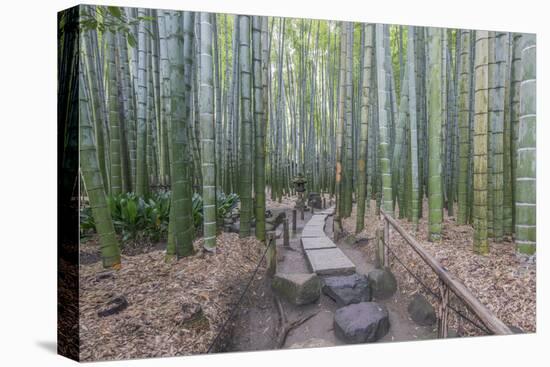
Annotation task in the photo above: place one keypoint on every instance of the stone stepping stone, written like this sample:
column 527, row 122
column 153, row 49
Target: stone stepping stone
column 312, row 343
column 329, row 211
column 318, row 218
column 364, row 322
column 345, row 290
column 313, row 243
column 316, row 222
column 330, row 261
column 297, row 288
column 314, row 231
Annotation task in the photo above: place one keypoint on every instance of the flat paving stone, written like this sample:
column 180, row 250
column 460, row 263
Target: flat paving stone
column 312, row 243
column 330, row 261
column 316, row 222
column 313, row 231
column 329, row 211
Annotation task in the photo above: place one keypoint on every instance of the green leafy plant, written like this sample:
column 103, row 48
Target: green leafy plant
column 146, row 218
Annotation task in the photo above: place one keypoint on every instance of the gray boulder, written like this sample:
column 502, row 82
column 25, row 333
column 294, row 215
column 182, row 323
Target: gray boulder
column 298, row 288
column 345, row 290
column 383, row 283
column 312, row 343
column 364, row 322
column 421, row 311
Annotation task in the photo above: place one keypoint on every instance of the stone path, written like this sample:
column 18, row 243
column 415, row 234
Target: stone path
column 323, row 257
column 312, row 250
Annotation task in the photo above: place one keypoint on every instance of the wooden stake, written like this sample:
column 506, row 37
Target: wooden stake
column 271, row 254
column 386, row 242
column 442, row 327
column 286, row 240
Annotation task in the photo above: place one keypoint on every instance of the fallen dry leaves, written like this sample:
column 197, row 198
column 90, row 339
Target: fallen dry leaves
column 153, row 324
column 503, row 281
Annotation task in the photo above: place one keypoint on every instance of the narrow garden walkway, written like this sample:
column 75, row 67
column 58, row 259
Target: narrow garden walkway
column 312, row 250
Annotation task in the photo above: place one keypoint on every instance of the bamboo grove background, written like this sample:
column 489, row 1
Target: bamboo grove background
column 200, row 103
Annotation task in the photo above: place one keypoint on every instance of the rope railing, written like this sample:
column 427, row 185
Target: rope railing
column 447, row 282
column 270, row 242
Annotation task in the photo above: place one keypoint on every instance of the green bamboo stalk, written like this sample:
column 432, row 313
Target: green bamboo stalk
column 496, row 116
column 340, row 130
column 367, row 48
column 508, row 203
column 481, row 121
column 413, row 129
column 89, row 167
column 348, row 142
column 89, row 53
column 526, row 213
column 384, row 117
column 208, row 142
column 180, row 35
column 516, row 77
column 464, row 110
column 259, row 120
column 141, row 128
column 435, row 203
column 245, row 172
column 114, row 117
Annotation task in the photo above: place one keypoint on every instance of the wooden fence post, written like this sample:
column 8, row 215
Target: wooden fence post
column 271, row 254
column 442, row 327
column 379, row 253
column 386, row 242
column 286, row 240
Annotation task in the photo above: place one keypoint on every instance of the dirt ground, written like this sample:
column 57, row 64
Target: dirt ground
column 173, row 309
column 159, row 295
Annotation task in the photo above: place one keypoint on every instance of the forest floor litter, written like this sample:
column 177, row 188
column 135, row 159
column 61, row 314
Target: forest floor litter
column 502, row 280
column 173, row 308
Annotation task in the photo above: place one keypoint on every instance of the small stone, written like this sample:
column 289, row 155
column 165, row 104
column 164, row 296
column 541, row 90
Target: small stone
column 421, row 311
column 364, row 322
column 104, row 275
column 113, row 306
column 298, row 288
column 345, row 290
column 312, row 343
column 383, row 283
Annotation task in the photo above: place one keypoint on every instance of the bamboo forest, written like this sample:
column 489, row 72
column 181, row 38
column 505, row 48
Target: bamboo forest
column 250, row 182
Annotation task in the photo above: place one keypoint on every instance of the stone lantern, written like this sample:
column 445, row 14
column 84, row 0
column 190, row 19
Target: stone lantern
column 300, row 186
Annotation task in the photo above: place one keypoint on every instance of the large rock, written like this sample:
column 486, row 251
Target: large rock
column 364, row 322
column 312, row 343
column 383, row 283
column 345, row 290
column 421, row 311
column 298, row 288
